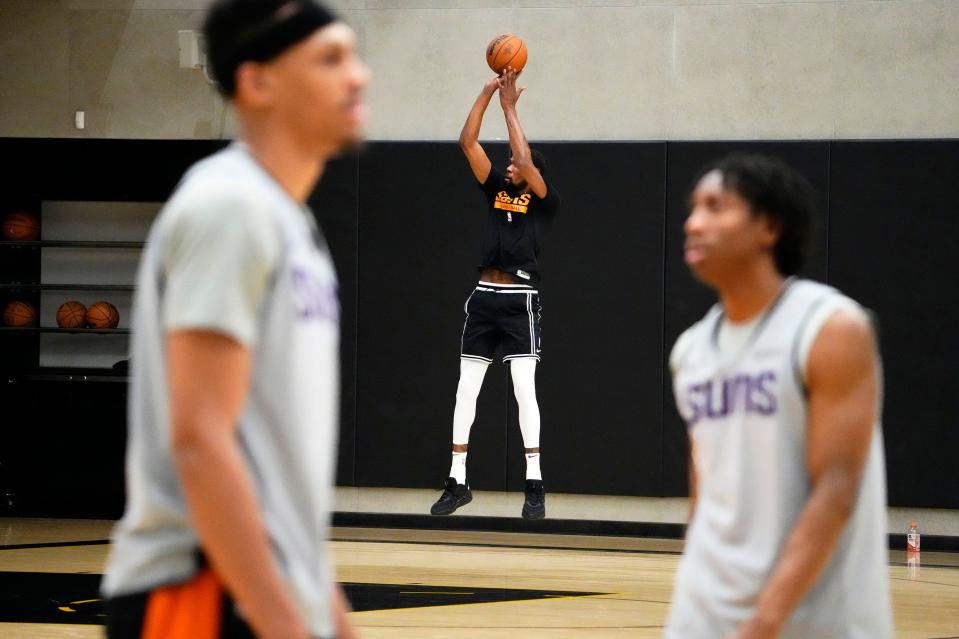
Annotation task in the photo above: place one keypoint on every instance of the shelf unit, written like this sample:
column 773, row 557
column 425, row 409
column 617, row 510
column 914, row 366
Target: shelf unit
column 57, row 329
column 93, row 242
column 71, row 244
column 17, row 286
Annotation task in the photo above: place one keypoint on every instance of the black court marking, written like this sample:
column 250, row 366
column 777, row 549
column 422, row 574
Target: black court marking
column 364, row 597
column 36, row 597
column 57, row 544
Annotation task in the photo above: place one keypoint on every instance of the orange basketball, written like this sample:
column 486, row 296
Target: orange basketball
column 18, row 313
column 72, row 315
column 103, row 315
column 506, row 51
column 21, row 226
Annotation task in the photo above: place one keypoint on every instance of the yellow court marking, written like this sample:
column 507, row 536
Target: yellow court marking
column 77, row 603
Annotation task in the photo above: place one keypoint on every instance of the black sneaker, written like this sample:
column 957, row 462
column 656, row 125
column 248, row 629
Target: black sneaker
column 454, row 495
column 535, row 506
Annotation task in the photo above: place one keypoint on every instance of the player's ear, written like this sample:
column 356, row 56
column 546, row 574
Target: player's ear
column 770, row 230
column 253, row 84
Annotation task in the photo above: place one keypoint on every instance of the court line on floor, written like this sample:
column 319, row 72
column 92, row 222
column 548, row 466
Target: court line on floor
column 895, row 564
column 101, row 542
column 512, row 546
column 923, row 581
column 537, row 547
column 514, row 627
column 653, row 601
column 56, row 544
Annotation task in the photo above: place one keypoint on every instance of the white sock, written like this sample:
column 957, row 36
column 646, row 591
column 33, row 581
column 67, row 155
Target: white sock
column 458, row 468
column 532, row 466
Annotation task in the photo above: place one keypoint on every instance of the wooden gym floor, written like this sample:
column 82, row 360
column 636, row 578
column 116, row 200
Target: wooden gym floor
column 438, row 584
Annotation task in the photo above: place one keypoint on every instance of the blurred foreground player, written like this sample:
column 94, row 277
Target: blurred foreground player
column 780, row 387
column 234, row 399
column 504, row 309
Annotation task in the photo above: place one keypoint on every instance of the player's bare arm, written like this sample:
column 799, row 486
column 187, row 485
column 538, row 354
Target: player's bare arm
column 208, row 381
column 842, row 380
column 509, row 95
column 469, row 136
column 341, row 608
column 693, row 485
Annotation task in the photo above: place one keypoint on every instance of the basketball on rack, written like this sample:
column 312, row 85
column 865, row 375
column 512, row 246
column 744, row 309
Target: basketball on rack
column 103, row 315
column 21, row 226
column 72, row 315
column 19, row 314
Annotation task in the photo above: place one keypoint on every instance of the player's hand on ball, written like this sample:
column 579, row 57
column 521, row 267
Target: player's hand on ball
column 508, row 91
column 491, row 85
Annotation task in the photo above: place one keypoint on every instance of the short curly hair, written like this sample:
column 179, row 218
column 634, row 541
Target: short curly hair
column 779, row 192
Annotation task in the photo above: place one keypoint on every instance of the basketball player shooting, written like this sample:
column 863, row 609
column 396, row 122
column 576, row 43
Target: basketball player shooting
column 779, row 385
column 504, row 309
column 234, row 394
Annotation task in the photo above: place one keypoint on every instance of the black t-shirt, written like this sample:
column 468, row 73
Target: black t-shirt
column 514, row 226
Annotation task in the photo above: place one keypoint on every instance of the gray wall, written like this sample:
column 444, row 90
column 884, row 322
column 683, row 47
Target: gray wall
column 598, row 69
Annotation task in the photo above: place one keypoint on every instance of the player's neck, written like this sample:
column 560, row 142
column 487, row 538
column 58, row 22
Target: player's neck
column 750, row 292
column 295, row 167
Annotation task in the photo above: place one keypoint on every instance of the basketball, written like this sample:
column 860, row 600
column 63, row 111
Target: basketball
column 506, row 51
column 18, row 313
column 21, row 226
column 72, row 315
column 103, row 315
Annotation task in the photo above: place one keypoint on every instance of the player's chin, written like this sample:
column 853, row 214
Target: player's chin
column 708, row 276
column 351, row 144
column 699, row 265
column 349, row 136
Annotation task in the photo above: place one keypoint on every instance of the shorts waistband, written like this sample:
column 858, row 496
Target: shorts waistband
column 505, row 288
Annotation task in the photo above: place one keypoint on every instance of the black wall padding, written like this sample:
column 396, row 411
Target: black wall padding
column 599, row 383
column 893, row 231
column 63, row 447
column 687, row 300
column 404, row 223
column 335, row 204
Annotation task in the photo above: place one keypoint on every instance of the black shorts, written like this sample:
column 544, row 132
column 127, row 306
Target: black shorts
column 196, row 608
column 199, row 608
column 505, row 316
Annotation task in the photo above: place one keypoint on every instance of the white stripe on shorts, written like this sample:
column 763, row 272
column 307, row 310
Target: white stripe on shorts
column 532, row 326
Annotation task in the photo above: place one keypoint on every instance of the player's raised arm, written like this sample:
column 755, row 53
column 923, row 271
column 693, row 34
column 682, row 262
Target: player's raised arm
column 522, row 157
column 469, row 136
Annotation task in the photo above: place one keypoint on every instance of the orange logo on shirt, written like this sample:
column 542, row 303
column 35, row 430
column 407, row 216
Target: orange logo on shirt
column 515, row 204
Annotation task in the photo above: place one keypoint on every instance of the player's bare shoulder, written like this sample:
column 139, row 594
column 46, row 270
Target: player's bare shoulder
column 845, row 346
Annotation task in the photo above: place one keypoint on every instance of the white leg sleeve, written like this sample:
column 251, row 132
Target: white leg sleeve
column 524, row 385
column 472, row 373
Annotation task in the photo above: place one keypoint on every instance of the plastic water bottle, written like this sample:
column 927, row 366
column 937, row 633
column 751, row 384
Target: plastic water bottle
column 912, row 539
column 913, row 565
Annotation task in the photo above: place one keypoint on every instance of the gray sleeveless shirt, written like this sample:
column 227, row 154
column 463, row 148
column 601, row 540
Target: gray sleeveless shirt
column 747, row 416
